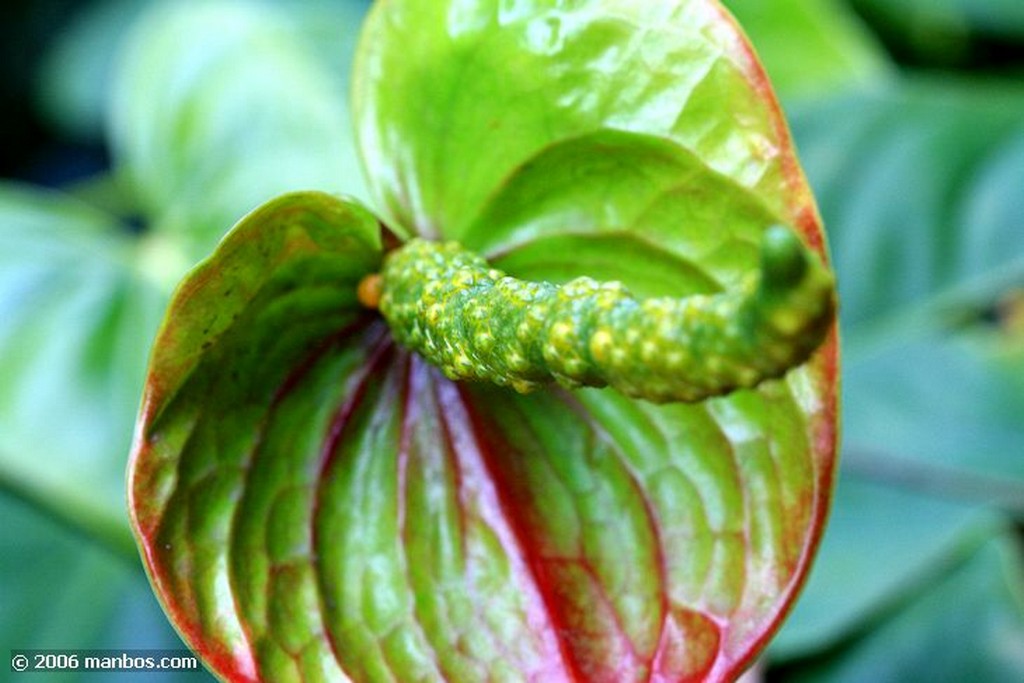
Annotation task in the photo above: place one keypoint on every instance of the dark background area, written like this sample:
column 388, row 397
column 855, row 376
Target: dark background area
column 32, row 150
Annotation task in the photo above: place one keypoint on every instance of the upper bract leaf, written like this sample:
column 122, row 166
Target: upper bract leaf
column 452, row 97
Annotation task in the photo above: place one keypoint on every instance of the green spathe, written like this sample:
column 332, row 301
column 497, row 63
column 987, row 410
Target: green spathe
column 316, row 501
column 475, row 322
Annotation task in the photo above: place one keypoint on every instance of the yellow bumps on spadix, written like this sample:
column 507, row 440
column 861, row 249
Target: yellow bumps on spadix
column 588, row 333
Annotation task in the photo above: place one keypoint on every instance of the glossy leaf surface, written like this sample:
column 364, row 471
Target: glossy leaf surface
column 507, row 80
column 313, row 501
column 279, row 293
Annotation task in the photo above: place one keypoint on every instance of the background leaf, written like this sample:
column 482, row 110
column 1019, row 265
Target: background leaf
column 812, row 47
column 972, row 435
column 247, row 89
column 923, row 248
column 868, row 563
column 926, row 235
column 62, row 591
column 75, row 77
column 78, row 317
column 942, row 634
column 916, row 181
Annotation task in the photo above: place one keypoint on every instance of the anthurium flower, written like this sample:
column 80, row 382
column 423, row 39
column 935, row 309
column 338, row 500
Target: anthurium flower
column 366, row 456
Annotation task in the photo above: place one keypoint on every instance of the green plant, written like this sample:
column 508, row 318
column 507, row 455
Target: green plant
column 919, row 576
column 368, row 517
column 314, row 500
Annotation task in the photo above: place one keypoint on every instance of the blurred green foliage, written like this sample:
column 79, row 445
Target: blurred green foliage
column 909, row 115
